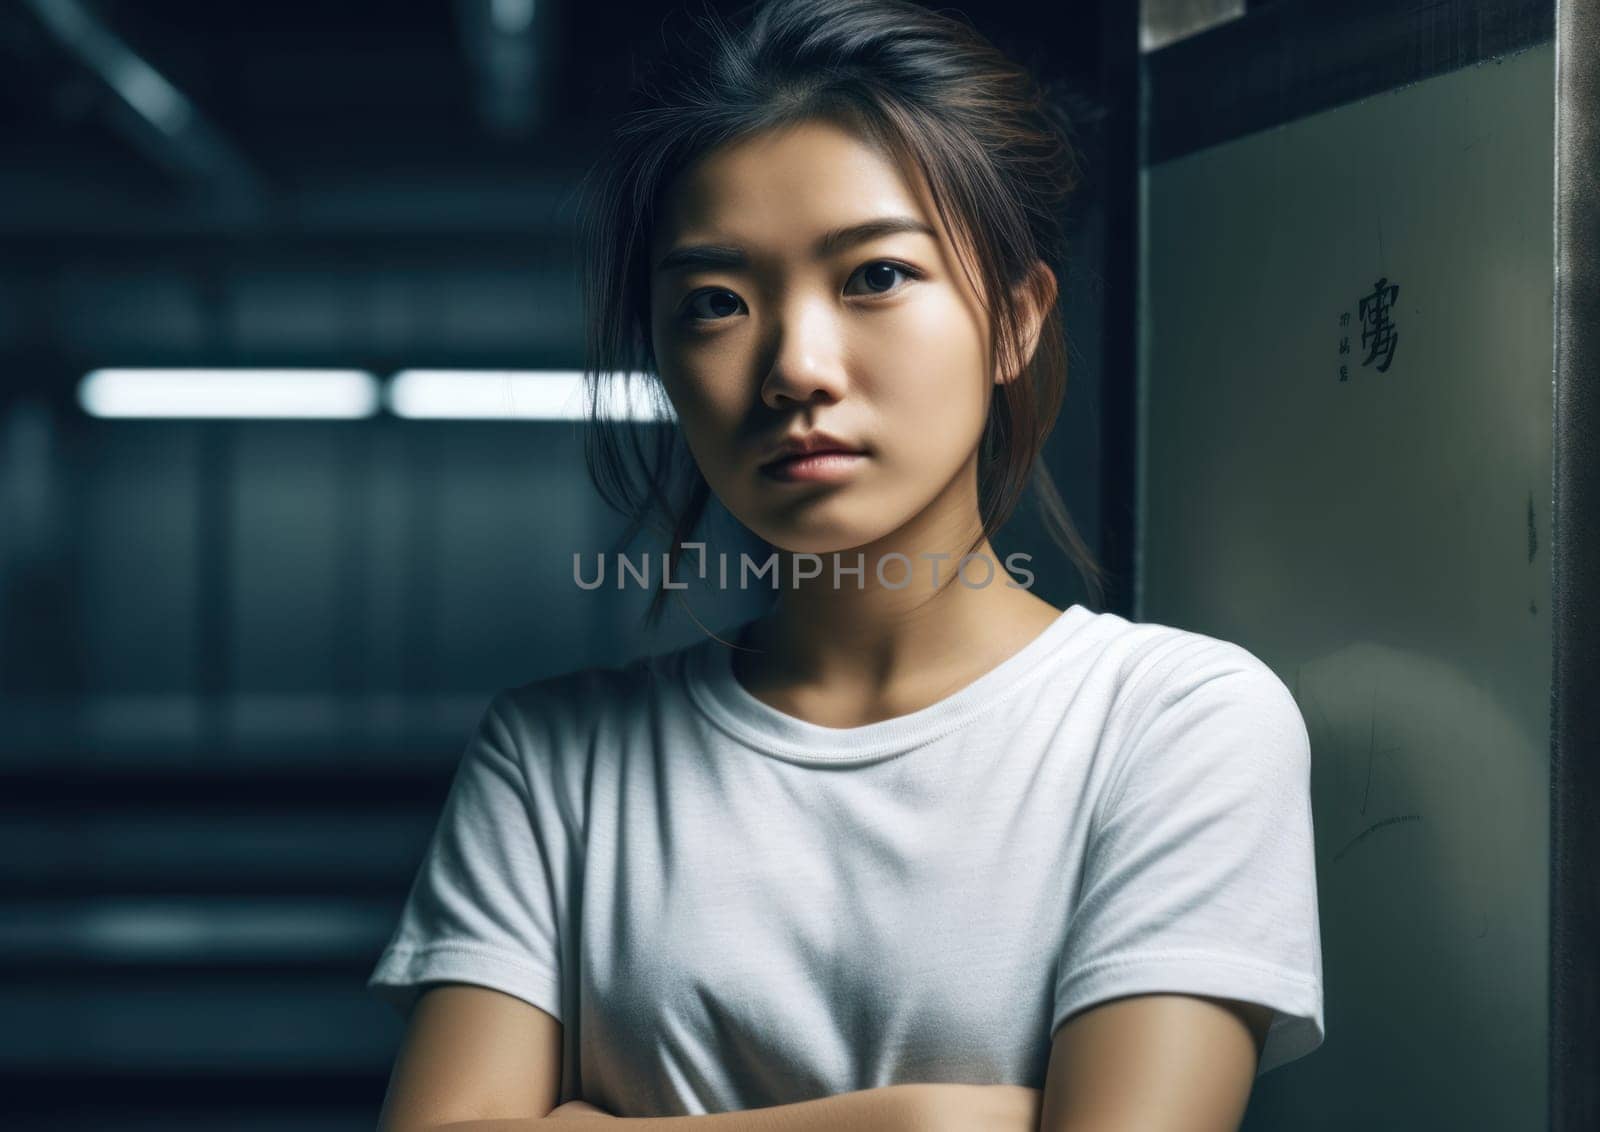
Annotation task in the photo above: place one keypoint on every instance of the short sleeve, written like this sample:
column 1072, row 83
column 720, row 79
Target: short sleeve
column 1200, row 876
column 483, row 906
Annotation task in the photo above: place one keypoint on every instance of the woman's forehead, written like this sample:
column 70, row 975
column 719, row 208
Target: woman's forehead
column 787, row 185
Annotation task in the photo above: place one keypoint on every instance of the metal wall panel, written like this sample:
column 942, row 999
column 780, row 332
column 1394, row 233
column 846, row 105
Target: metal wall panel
column 1346, row 416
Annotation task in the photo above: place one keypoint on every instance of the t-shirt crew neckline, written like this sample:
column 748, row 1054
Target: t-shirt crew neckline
column 715, row 689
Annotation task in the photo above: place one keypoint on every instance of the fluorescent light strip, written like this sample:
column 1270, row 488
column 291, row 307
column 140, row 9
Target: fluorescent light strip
column 275, row 393
column 538, row 395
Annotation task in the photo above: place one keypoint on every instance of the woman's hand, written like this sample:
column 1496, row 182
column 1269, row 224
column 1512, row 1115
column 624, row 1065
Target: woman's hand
column 576, row 1108
column 943, row 1107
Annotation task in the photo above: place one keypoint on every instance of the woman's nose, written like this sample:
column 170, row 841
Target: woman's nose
column 808, row 360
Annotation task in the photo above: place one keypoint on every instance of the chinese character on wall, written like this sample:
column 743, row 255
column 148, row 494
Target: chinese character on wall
column 1378, row 333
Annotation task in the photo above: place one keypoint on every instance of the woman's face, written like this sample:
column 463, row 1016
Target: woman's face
column 771, row 331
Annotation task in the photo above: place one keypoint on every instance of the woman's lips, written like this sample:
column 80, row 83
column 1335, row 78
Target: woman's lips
column 814, row 467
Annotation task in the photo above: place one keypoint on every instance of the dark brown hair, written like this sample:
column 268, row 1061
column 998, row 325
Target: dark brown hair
column 933, row 94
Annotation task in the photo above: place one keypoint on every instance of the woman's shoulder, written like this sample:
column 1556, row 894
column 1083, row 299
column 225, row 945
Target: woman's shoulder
column 593, row 693
column 1187, row 703
column 1157, row 663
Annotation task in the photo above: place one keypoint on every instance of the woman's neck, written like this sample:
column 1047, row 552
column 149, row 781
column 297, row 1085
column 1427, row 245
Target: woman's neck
column 847, row 657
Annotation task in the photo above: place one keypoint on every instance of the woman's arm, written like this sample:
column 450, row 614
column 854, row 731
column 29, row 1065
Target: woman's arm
column 471, row 1051
column 1155, row 1063
column 893, row 1108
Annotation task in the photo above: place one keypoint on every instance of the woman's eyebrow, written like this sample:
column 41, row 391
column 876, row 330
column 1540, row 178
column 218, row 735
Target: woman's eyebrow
column 693, row 257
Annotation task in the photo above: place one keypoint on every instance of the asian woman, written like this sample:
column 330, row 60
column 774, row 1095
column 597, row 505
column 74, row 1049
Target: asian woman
column 913, row 849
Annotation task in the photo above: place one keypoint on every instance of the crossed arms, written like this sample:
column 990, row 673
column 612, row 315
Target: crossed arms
column 478, row 1060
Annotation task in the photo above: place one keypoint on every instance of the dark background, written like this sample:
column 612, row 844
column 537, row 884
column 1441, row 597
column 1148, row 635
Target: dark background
column 239, row 659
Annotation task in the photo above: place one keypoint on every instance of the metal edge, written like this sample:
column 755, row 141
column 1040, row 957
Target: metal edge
column 1282, row 62
column 1575, row 563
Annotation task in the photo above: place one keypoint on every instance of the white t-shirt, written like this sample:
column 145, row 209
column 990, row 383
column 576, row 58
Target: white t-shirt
column 729, row 907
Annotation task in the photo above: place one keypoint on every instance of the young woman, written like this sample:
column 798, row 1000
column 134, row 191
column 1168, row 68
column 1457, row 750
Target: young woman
column 916, row 849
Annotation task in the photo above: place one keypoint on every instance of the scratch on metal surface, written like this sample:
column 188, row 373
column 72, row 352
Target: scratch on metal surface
column 1348, row 845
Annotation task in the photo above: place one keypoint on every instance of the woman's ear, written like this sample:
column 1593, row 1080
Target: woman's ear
column 1038, row 294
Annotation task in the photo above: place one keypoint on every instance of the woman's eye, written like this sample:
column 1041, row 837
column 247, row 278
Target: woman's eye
column 879, row 275
column 726, row 303
column 716, row 304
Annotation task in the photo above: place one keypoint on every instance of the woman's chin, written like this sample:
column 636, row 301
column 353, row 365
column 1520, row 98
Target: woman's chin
column 817, row 540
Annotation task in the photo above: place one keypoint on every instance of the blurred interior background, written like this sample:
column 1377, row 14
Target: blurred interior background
column 240, row 654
